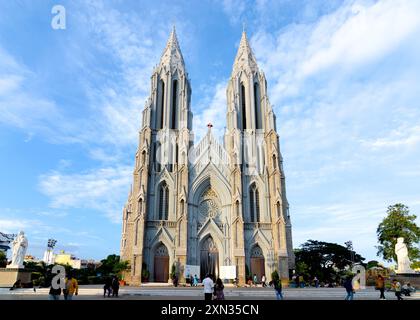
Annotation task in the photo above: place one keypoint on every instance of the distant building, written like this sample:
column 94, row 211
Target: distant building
column 69, row 259
column 30, row 258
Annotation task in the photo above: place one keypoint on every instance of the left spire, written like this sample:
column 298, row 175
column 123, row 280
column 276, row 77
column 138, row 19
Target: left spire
column 172, row 55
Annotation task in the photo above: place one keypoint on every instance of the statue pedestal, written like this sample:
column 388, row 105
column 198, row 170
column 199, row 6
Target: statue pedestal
column 9, row 276
column 412, row 278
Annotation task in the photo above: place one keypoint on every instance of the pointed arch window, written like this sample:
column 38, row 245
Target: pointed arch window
column 182, row 206
column 278, row 209
column 140, row 206
column 274, row 162
column 254, row 199
column 237, row 208
column 257, row 108
column 174, row 104
column 243, row 105
column 137, row 232
column 161, row 104
column 163, row 201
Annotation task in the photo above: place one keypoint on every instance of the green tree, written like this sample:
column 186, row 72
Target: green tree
column 112, row 265
column 398, row 223
column 372, row 264
column 327, row 261
column 415, row 265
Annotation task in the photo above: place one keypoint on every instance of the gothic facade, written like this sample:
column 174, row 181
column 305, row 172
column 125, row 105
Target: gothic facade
column 212, row 204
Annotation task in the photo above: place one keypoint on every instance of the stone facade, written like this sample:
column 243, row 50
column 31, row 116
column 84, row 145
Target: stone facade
column 212, row 204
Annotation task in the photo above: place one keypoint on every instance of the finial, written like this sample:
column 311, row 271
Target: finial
column 243, row 27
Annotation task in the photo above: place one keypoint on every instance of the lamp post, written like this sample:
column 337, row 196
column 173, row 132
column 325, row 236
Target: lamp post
column 50, row 247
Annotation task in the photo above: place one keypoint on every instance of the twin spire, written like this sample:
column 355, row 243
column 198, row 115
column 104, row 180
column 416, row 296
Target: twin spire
column 172, row 55
column 245, row 58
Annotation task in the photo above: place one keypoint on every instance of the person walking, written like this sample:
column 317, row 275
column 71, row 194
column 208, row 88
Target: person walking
column 255, row 280
column 301, row 281
column 115, row 284
column 263, row 280
column 54, row 294
column 380, row 285
column 195, row 281
column 278, row 288
column 348, row 285
column 107, row 286
column 218, row 290
column 72, row 287
column 297, row 281
column 208, row 287
column 397, row 287
column 316, row 282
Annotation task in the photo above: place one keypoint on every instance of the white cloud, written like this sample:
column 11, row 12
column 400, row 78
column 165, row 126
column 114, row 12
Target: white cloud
column 235, row 10
column 100, row 190
column 358, row 34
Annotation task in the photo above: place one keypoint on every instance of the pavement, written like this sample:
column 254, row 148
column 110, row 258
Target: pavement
column 154, row 292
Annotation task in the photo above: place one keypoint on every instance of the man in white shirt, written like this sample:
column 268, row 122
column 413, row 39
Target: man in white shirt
column 208, row 287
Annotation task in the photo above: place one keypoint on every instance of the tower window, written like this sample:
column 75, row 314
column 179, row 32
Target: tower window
column 254, row 199
column 243, row 103
column 182, row 207
column 163, row 201
column 257, row 108
column 174, row 104
column 161, row 104
column 140, row 206
column 137, row 232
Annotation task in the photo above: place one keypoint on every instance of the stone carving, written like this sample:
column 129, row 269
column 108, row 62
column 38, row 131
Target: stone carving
column 402, row 256
column 20, row 244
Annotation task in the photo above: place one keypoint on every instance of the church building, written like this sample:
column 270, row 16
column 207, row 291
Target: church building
column 213, row 204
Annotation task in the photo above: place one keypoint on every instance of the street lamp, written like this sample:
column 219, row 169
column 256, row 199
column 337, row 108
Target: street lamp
column 50, row 246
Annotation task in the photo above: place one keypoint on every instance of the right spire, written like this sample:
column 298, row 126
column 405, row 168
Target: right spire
column 245, row 59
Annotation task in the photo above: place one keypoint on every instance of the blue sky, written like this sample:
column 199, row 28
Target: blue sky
column 343, row 77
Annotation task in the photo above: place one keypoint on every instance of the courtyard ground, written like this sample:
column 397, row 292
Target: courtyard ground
column 151, row 292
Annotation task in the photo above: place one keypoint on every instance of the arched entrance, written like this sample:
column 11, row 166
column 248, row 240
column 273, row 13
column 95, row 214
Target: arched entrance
column 161, row 264
column 209, row 258
column 257, row 262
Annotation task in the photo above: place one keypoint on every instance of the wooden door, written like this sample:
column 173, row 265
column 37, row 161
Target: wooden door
column 257, row 267
column 161, row 269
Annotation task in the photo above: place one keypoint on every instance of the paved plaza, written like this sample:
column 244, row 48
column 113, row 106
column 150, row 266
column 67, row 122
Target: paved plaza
column 95, row 292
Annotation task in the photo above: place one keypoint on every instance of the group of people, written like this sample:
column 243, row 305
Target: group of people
column 406, row 289
column 212, row 290
column 71, row 288
column 112, row 286
column 396, row 286
column 193, row 280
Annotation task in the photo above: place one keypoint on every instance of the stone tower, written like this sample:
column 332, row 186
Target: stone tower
column 256, row 170
column 154, row 218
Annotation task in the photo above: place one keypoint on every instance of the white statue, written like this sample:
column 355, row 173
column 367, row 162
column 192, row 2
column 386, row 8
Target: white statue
column 402, row 257
column 20, row 244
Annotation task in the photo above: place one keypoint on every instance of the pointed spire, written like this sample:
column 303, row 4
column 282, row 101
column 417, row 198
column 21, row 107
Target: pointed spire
column 172, row 55
column 245, row 58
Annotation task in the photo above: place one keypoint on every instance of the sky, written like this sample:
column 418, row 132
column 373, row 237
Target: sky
column 343, row 78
